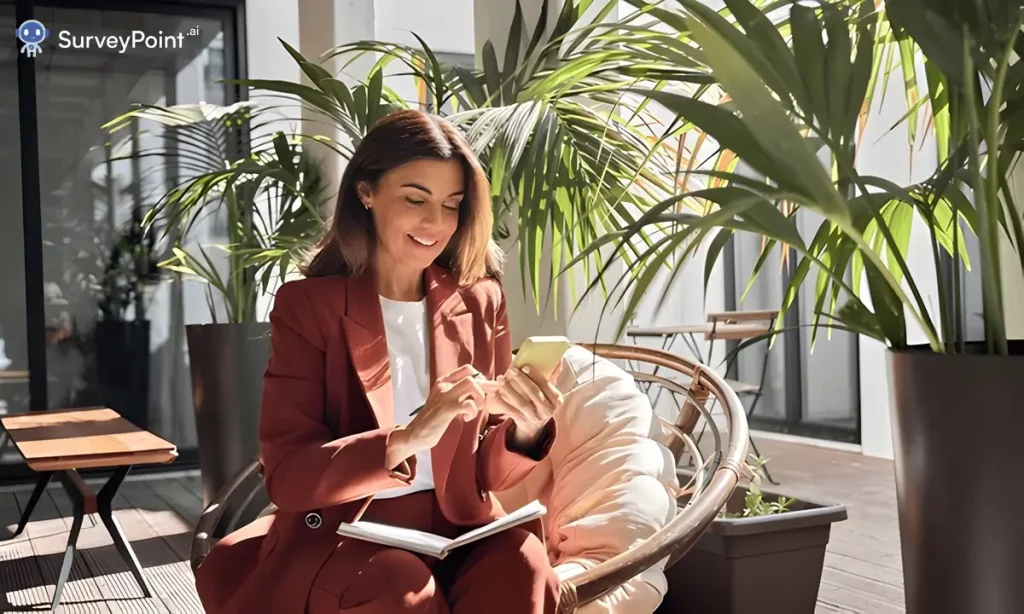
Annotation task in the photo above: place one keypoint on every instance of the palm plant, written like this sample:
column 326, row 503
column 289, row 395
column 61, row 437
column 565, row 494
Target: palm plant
column 571, row 156
column 266, row 188
column 795, row 82
column 789, row 102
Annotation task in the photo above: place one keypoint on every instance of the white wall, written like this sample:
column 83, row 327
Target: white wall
column 885, row 153
column 1013, row 277
column 446, row 25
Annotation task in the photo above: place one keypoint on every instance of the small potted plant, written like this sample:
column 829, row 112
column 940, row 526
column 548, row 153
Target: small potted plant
column 764, row 553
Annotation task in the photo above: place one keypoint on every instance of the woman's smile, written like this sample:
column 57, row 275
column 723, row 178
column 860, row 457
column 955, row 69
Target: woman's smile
column 422, row 241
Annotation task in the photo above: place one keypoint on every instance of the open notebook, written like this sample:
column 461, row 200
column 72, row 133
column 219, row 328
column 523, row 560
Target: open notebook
column 435, row 545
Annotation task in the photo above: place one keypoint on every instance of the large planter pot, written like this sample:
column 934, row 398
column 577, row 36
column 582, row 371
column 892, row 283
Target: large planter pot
column 754, row 565
column 122, row 368
column 958, row 420
column 227, row 362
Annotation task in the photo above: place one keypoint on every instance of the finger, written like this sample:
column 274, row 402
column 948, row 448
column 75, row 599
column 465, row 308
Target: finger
column 488, row 386
column 526, row 407
column 556, row 372
column 534, row 376
column 476, row 386
column 468, row 388
column 460, row 373
column 468, row 410
column 528, row 388
column 551, row 393
column 513, row 397
column 501, row 406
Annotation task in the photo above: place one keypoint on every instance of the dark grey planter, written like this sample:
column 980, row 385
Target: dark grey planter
column 754, row 565
column 227, row 363
column 958, row 420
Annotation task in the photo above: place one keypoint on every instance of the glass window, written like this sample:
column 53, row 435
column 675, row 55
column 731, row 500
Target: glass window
column 14, row 391
column 115, row 332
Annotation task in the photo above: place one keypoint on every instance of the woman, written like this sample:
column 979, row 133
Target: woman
column 389, row 397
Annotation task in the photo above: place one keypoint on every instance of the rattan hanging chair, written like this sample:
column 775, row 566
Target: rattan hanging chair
column 716, row 467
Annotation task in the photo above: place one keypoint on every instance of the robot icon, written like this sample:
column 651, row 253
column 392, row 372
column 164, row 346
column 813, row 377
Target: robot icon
column 32, row 32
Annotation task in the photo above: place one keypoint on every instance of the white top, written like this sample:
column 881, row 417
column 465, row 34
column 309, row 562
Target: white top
column 405, row 327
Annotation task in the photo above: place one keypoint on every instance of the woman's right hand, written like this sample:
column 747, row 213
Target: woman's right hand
column 460, row 394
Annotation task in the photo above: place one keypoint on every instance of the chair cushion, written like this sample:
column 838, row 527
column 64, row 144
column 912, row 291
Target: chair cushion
column 606, row 483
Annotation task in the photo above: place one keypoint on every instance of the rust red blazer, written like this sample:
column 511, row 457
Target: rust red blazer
column 326, row 417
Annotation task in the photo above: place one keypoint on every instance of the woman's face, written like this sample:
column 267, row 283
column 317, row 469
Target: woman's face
column 415, row 208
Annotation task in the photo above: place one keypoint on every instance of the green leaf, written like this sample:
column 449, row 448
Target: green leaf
column 837, row 71
column 746, row 48
column 757, row 25
column 492, row 73
column 939, row 39
column 512, row 49
column 768, row 122
column 809, row 51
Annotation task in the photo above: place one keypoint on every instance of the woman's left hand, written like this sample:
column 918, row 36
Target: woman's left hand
column 529, row 400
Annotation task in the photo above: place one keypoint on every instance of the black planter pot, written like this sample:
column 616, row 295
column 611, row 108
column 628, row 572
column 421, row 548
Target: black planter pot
column 958, row 420
column 754, row 565
column 227, row 362
column 122, row 368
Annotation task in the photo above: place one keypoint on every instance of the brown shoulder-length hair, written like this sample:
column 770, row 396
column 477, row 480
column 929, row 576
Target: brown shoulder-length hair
column 349, row 243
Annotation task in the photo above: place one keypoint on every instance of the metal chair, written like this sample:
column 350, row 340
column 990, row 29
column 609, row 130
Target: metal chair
column 718, row 471
column 733, row 326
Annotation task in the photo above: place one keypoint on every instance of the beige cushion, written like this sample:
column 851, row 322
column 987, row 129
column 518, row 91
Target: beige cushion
column 607, row 485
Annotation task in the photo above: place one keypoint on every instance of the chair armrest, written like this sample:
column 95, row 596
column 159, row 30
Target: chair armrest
column 204, row 537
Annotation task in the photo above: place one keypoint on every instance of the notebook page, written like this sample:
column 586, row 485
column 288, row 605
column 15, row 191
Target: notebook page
column 396, row 537
column 530, row 511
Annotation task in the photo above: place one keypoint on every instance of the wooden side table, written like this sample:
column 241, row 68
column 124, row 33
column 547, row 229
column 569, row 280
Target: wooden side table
column 61, row 442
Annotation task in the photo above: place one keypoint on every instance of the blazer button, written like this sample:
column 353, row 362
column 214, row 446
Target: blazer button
column 313, row 520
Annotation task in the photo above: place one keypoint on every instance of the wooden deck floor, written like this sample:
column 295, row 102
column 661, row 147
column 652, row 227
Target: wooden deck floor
column 862, row 572
column 863, row 567
column 157, row 517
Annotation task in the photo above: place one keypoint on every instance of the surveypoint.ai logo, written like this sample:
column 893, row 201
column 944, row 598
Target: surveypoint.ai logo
column 32, row 33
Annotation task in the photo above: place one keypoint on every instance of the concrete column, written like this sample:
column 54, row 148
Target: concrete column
column 323, row 25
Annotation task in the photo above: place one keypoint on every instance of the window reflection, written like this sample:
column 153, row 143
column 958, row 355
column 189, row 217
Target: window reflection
column 115, row 322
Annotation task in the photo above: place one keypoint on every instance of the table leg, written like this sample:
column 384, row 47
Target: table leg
column 84, row 501
column 104, row 505
column 41, row 482
column 78, row 501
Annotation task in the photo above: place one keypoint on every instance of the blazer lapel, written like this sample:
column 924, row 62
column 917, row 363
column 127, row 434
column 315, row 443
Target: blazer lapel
column 451, row 346
column 451, row 323
column 367, row 345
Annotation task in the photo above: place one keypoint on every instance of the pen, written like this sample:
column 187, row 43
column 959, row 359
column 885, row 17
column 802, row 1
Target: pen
column 417, row 410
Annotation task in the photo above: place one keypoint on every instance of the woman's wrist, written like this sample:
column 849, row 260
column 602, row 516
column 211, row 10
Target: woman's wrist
column 399, row 448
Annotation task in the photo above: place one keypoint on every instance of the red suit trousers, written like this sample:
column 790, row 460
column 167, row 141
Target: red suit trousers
column 507, row 573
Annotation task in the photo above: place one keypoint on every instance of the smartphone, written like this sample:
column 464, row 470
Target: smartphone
column 542, row 354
